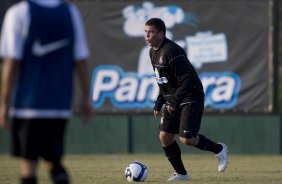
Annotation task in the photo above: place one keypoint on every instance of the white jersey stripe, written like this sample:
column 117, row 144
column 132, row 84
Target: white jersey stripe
column 176, row 57
column 38, row 113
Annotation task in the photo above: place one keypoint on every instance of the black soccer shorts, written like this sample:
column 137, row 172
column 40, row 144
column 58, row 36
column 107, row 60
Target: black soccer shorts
column 185, row 121
column 34, row 138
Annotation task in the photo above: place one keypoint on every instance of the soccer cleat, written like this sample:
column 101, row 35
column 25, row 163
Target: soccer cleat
column 178, row 177
column 222, row 158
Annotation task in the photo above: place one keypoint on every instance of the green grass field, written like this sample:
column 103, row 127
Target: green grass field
column 109, row 169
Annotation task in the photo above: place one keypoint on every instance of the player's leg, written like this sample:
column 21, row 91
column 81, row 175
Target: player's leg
column 57, row 172
column 190, row 122
column 169, row 126
column 25, row 145
column 53, row 150
column 28, row 170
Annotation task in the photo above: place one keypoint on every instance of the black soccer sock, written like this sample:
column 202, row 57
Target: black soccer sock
column 59, row 175
column 30, row 180
column 173, row 154
column 208, row 145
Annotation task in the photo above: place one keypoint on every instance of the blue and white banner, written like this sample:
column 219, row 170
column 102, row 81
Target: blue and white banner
column 228, row 42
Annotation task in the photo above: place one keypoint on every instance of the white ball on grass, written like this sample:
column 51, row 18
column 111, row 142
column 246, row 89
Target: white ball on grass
column 136, row 172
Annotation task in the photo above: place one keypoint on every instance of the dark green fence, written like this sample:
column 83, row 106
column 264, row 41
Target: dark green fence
column 246, row 134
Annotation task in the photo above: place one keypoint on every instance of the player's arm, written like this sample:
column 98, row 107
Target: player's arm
column 10, row 69
column 84, row 82
column 81, row 55
column 184, row 75
column 159, row 104
column 11, row 44
column 160, row 99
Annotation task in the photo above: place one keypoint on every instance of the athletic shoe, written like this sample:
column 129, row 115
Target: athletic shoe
column 222, row 158
column 178, row 177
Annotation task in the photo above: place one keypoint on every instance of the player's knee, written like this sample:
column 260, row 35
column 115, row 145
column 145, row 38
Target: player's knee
column 185, row 140
column 162, row 138
column 188, row 141
column 166, row 139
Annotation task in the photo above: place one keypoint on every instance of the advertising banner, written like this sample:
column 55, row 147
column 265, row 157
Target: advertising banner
column 228, row 42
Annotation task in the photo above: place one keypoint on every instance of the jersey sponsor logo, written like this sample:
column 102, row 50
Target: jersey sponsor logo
column 130, row 90
column 160, row 80
column 40, row 50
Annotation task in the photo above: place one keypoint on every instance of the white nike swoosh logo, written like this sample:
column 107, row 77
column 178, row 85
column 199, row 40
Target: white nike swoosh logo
column 40, row 50
column 185, row 131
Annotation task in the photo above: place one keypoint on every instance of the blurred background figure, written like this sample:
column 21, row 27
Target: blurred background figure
column 42, row 44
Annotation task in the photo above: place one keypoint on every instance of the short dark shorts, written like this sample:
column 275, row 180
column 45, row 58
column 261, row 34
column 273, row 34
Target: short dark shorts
column 185, row 121
column 34, row 138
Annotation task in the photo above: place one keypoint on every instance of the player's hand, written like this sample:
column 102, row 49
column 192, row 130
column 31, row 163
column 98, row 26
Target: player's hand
column 169, row 108
column 155, row 113
column 85, row 111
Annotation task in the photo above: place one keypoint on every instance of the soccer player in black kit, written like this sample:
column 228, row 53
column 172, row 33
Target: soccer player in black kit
column 181, row 92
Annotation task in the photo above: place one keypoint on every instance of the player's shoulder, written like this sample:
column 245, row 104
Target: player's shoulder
column 174, row 45
column 172, row 50
column 171, row 47
column 17, row 9
column 17, row 12
column 73, row 8
column 18, row 6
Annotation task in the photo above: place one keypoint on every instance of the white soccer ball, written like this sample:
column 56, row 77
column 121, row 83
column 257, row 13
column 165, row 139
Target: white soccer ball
column 135, row 172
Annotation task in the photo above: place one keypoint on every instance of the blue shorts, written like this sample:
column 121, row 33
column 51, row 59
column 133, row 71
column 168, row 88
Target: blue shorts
column 185, row 121
column 34, row 138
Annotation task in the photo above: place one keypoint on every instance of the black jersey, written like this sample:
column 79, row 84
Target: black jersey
column 175, row 75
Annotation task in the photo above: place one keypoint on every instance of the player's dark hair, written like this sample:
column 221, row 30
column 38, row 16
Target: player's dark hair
column 157, row 23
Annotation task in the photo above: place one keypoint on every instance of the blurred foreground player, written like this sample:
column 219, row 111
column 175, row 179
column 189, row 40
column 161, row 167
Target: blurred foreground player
column 182, row 93
column 42, row 44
